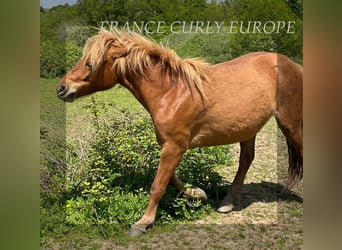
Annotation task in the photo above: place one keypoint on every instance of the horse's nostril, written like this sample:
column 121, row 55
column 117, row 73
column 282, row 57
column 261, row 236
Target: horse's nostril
column 60, row 89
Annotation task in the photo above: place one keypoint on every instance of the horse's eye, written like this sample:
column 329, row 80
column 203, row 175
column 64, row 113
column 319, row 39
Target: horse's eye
column 88, row 65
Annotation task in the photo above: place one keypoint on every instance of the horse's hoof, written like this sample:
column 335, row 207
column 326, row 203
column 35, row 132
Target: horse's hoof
column 225, row 208
column 138, row 229
column 195, row 193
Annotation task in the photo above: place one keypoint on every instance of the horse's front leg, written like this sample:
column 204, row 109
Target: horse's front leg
column 188, row 190
column 170, row 157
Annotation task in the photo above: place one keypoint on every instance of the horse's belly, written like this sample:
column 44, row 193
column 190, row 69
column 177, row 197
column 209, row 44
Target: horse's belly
column 221, row 132
column 211, row 138
column 204, row 141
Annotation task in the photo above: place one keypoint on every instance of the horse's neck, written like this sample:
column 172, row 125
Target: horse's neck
column 145, row 92
column 151, row 91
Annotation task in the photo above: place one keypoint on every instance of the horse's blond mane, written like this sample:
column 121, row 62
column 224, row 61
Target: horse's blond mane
column 141, row 57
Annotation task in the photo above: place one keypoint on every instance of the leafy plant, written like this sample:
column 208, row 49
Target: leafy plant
column 52, row 59
column 73, row 54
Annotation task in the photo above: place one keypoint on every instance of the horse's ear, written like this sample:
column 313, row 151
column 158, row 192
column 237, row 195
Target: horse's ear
column 117, row 49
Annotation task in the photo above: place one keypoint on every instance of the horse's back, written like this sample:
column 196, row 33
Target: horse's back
column 245, row 84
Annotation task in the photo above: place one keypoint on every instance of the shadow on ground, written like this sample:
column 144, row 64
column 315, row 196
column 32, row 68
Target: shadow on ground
column 259, row 192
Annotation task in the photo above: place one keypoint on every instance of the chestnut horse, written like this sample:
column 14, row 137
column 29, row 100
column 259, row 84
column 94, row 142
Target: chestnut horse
column 194, row 104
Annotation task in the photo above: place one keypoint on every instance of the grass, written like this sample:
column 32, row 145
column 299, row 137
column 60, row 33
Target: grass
column 52, row 111
column 263, row 220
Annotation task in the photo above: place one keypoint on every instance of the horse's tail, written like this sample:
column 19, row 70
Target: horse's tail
column 295, row 170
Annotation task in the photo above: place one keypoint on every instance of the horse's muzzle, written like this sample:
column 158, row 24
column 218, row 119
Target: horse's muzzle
column 62, row 93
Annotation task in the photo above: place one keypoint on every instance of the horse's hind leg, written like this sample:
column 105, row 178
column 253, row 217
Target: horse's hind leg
column 246, row 158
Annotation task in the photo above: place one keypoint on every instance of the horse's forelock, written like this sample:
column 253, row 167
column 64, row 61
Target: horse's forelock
column 96, row 48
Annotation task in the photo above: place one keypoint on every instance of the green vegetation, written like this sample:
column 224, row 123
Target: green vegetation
column 64, row 29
